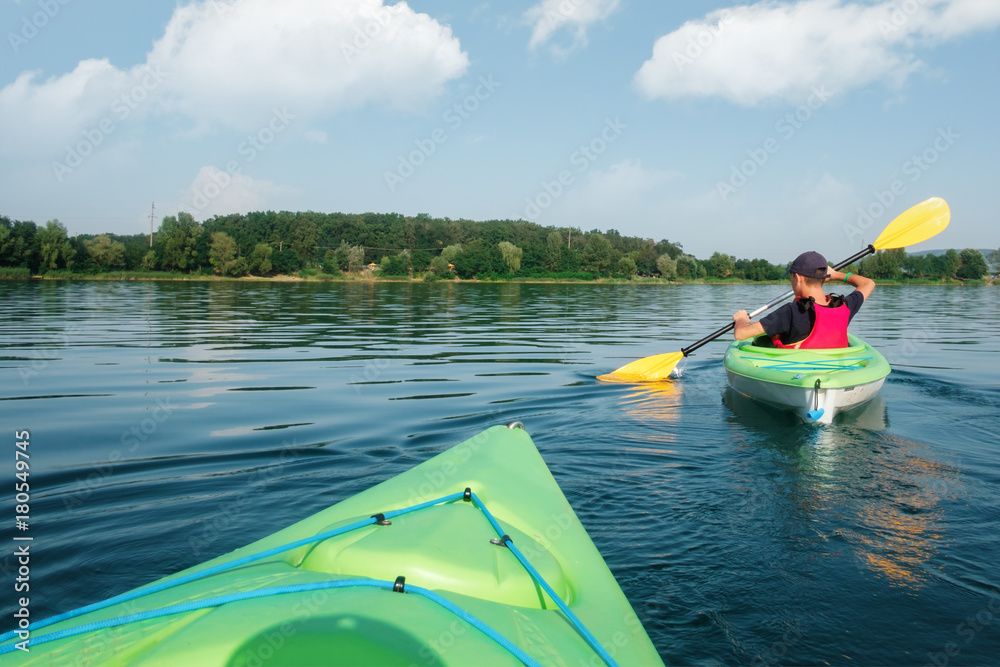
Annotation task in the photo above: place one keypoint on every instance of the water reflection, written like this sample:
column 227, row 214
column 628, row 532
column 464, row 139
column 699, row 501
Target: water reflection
column 877, row 494
column 653, row 403
column 723, row 519
column 872, row 416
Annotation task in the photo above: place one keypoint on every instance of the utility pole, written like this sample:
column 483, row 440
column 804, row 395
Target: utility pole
column 152, row 215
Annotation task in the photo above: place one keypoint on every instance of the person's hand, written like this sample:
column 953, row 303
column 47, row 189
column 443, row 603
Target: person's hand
column 833, row 274
column 741, row 317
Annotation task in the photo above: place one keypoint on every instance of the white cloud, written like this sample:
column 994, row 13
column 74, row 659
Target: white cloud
column 957, row 17
column 550, row 16
column 43, row 115
column 314, row 57
column 215, row 192
column 221, row 63
column 626, row 180
column 781, row 51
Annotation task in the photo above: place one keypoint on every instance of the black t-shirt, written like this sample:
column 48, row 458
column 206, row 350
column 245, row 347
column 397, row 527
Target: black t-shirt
column 793, row 321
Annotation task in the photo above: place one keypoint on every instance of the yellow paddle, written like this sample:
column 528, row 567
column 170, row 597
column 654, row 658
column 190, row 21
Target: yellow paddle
column 926, row 219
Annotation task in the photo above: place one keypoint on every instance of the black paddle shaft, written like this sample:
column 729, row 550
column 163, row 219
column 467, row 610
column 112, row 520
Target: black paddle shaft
column 729, row 327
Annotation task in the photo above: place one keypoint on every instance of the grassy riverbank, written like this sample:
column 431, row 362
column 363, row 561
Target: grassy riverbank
column 313, row 276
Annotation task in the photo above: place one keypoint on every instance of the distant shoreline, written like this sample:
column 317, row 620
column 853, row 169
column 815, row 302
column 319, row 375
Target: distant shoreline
column 146, row 277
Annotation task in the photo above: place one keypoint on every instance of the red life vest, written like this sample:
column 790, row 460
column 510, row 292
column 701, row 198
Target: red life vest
column 829, row 330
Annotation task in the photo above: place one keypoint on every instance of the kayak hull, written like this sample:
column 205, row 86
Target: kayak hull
column 339, row 600
column 815, row 384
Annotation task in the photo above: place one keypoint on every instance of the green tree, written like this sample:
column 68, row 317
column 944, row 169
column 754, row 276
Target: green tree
column 344, row 258
column 553, row 251
column 915, row 266
column 54, row 246
column 237, row 267
column 675, row 250
column 451, row 252
column 149, row 260
column 222, row 252
column 420, row 260
column 355, row 258
column 667, row 266
column 597, row 255
column 757, row 269
column 439, row 266
column 396, row 265
column 286, row 261
column 951, row 263
column 17, row 243
column 331, row 263
column 972, row 264
column 721, row 265
column 179, row 239
column 646, row 258
column 304, row 237
column 511, row 255
column 341, row 257
column 885, row 264
column 478, row 260
column 892, row 263
column 260, row 259
column 626, row 267
column 7, row 243
column 687, row 266
column 871, row 266
column 105, row 252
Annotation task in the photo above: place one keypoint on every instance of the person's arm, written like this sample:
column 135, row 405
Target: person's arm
column 744, row 327
column 864, row 285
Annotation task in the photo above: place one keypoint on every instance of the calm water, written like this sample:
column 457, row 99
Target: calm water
column 172, row 422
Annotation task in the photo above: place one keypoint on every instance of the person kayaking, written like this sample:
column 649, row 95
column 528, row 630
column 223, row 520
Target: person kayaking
column 814, row 319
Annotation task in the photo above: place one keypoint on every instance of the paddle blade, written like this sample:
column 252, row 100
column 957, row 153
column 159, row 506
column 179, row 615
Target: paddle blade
column 926, row 219
column 648, row 369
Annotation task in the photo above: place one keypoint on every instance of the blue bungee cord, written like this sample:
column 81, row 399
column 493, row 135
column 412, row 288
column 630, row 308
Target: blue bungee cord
column 377, row 519
column 282, row 590
column 594, row 644
column 222, row 567
column 817, row 365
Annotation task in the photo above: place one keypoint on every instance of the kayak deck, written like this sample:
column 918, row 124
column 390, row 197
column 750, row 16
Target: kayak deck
column 472, row 557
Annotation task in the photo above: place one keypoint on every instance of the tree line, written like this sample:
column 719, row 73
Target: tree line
column 306, row 243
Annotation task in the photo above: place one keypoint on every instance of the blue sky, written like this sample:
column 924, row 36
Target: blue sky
column 758, row 129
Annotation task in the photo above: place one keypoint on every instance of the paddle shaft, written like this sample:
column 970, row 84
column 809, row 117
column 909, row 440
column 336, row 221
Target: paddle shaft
column 729, row 327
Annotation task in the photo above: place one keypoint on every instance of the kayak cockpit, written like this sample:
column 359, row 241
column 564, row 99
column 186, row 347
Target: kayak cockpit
column 445, row 547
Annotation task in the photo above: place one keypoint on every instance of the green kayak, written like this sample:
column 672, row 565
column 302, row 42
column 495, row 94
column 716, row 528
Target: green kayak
column 473, row 557
column 816, row 384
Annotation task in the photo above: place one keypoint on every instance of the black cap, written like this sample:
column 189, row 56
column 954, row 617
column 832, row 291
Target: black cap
column 810, row 264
